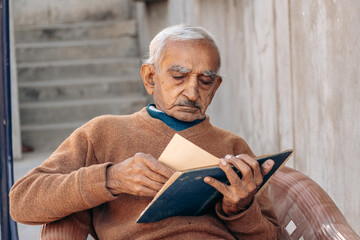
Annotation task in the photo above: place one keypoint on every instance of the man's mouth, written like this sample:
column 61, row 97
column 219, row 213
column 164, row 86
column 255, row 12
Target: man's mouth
column 189, row 104
column 189, row 108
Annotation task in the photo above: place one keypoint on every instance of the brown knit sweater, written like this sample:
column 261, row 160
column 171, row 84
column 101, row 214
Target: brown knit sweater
column 73, row 180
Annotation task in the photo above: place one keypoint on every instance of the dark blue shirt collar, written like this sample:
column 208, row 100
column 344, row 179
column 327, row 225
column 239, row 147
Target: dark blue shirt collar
column 172, row 122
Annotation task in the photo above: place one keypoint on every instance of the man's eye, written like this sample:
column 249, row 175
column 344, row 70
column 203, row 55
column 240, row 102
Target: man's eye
column 206, row 82
column 178, row 77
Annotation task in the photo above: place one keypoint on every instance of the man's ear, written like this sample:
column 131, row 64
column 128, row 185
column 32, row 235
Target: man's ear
column 217, row 85
column 147, row 73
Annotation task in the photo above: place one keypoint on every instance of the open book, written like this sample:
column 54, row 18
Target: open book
column 186, row 193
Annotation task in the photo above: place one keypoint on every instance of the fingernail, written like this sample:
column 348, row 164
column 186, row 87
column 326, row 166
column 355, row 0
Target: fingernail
column 228, row 156
column 268, row 163
column 206, row 179
column 222, row 161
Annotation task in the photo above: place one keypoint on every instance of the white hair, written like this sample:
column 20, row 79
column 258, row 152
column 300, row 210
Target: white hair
column 177, row 33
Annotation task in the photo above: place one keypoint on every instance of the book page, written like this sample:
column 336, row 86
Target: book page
column 180, row 154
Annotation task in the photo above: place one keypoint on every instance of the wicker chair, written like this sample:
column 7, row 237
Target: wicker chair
column 305, row 210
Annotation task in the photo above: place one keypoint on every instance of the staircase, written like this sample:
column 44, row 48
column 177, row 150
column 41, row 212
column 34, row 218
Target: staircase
column 70, row 73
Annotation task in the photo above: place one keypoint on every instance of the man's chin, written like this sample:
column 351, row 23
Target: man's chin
column 186, row 116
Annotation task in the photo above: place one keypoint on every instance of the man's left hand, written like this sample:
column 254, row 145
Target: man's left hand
column 241, row 191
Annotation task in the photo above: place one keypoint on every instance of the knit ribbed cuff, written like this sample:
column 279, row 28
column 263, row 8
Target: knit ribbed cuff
column 92, row 185
column 245, row 219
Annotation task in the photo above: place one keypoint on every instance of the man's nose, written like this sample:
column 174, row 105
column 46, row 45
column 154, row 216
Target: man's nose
column 191, row 89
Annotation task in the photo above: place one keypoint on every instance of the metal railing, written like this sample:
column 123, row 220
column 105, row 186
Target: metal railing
column 8, row 226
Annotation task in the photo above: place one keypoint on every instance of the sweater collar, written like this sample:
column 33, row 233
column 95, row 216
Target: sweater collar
column 172, row 122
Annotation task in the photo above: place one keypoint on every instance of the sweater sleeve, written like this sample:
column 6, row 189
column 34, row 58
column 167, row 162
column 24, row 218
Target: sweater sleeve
column 70, row 180
column 75, row 226
column 257, row 222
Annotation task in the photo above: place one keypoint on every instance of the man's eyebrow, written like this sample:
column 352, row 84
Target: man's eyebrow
column 181, row 69
column 178, row 68
column 210, row 73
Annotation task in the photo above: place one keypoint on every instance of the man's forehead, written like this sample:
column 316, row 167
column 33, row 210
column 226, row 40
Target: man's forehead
column 172, row 46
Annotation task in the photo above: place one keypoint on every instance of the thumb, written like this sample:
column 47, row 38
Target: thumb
column 267, row 166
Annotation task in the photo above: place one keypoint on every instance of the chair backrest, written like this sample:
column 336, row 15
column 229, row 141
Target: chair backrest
column 305, row 210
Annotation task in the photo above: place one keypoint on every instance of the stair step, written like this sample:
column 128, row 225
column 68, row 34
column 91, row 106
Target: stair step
column 47, row 136
column 75, row 31
column 51, row 126
column 78, row 110
column 79, row 68
column 80, row 88
column 84, row 49
column 79, row 81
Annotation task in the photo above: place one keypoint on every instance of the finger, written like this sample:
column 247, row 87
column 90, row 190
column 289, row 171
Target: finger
column 231, row 175
column 160, row 168
column 140, row 180
column 267, row 166
column 221, row 187
column 154, row 165
column 245, row 169
column 254, row 165
column 155, row 176
column 144, row 191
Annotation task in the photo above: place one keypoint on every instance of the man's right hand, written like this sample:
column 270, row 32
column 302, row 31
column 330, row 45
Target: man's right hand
column 141, row 175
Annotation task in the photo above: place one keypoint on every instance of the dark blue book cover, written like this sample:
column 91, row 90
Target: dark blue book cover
column 189, row 195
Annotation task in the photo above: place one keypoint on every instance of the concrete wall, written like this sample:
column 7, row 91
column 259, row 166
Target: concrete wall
column 291, row 80
column 39, row 12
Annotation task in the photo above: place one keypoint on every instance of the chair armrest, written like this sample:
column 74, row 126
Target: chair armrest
column 300, row 202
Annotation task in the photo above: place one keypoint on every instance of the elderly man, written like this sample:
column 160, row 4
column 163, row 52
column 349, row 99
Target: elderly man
column 103, row 176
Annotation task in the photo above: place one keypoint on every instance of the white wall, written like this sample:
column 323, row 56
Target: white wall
column 291, row 79
column 39, row 12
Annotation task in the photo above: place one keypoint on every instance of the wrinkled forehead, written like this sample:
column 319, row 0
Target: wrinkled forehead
column 184, row 50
